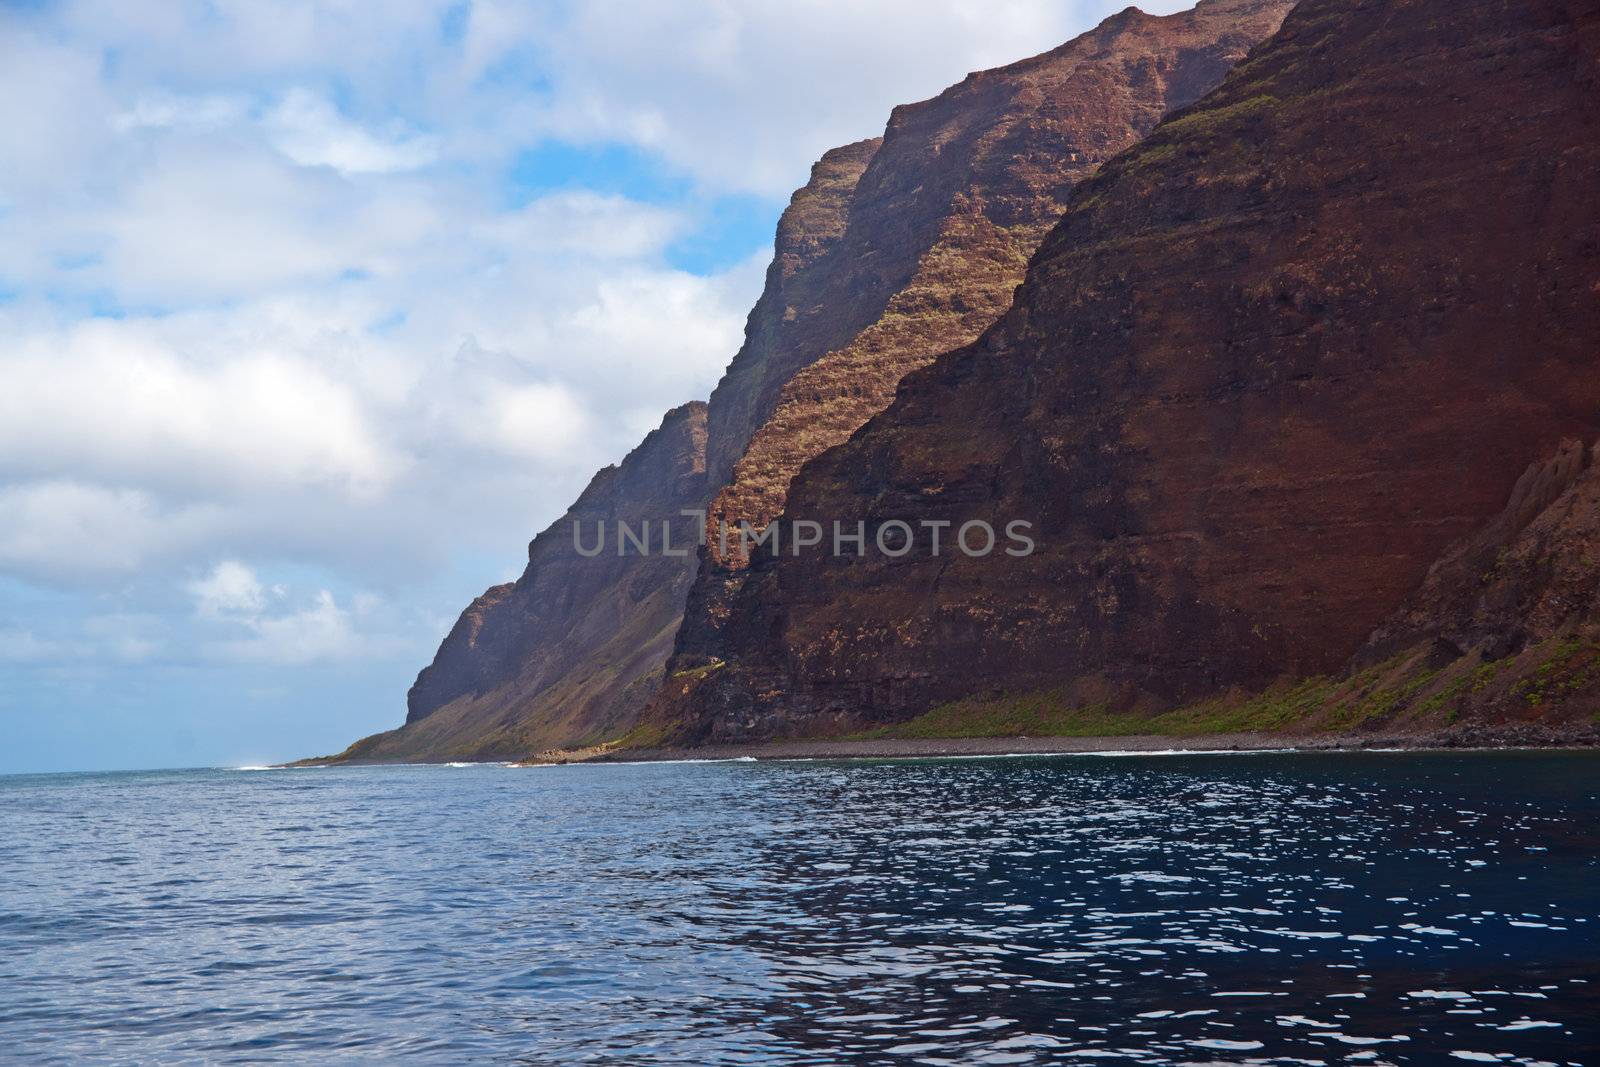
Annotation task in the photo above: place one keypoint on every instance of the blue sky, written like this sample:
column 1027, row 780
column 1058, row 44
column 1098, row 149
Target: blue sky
column 313, row 313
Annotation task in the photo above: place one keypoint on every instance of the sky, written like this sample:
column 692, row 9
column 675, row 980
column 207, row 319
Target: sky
column 313, row 313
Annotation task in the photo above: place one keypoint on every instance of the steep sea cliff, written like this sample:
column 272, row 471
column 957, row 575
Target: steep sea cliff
column 1299, row 397
column 897, row 249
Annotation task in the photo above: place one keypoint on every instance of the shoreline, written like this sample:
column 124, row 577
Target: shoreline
column 1522, row 736
column 1529, row 737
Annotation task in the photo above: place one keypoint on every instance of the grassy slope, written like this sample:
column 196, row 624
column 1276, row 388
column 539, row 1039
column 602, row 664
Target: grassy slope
column 1556, row 683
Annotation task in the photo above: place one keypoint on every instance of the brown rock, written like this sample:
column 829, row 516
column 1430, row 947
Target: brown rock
column 896, row 249
column 940, row 228
column 813, row 300
column 1271, row 365
column 1531, row 574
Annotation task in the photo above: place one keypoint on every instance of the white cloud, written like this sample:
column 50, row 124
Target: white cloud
column 213, row 219
column 533, row 421
column 233, row 598
column 242, row 42
column 231, row 589
column 308, row 130
column 321, row 631
column 75, row 533
column 53, row 115
column 583, row 224
column 462, row 405
column 161, row 110
column 141, row 402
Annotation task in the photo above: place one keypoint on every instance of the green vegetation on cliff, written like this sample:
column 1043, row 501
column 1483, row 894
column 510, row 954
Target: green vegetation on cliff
column 1556, row 680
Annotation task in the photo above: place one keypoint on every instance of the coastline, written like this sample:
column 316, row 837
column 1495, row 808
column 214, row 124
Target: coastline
column 1504, row 737
column 1522, row 736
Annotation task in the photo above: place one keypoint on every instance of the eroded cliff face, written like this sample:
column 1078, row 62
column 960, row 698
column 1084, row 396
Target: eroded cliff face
column 940, row 228
column 896, row 249
column 1273, row 365
column 814, row 299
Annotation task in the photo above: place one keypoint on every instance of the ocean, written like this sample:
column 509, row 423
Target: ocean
column 1275, row 908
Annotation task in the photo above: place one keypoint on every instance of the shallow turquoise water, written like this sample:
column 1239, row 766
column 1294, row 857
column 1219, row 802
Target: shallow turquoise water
column 1274, row 908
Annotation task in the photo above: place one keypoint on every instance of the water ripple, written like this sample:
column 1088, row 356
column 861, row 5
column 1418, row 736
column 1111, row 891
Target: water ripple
column 1305, row 909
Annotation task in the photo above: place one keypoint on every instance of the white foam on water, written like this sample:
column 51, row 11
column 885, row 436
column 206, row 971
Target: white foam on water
column 660, row 762
column 1186, row 752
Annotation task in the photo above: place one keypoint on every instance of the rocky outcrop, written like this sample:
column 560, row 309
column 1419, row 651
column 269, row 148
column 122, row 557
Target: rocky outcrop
column 1529, row 575
column 1274, row 363
column 940, row 229
column 1502, row 640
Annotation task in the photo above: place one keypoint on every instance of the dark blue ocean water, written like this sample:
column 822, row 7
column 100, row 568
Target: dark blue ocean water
column 1361, row 909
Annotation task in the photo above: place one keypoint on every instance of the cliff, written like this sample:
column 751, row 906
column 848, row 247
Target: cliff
column 1264, row 397
column 941, row 226
column 896, row 249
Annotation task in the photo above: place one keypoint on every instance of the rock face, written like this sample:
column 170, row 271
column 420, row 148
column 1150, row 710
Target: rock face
column 1501, row 642
column 1272, row 365
column 940, row 227
column 1529, row 575
column 896, row 249
column 812, row 301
